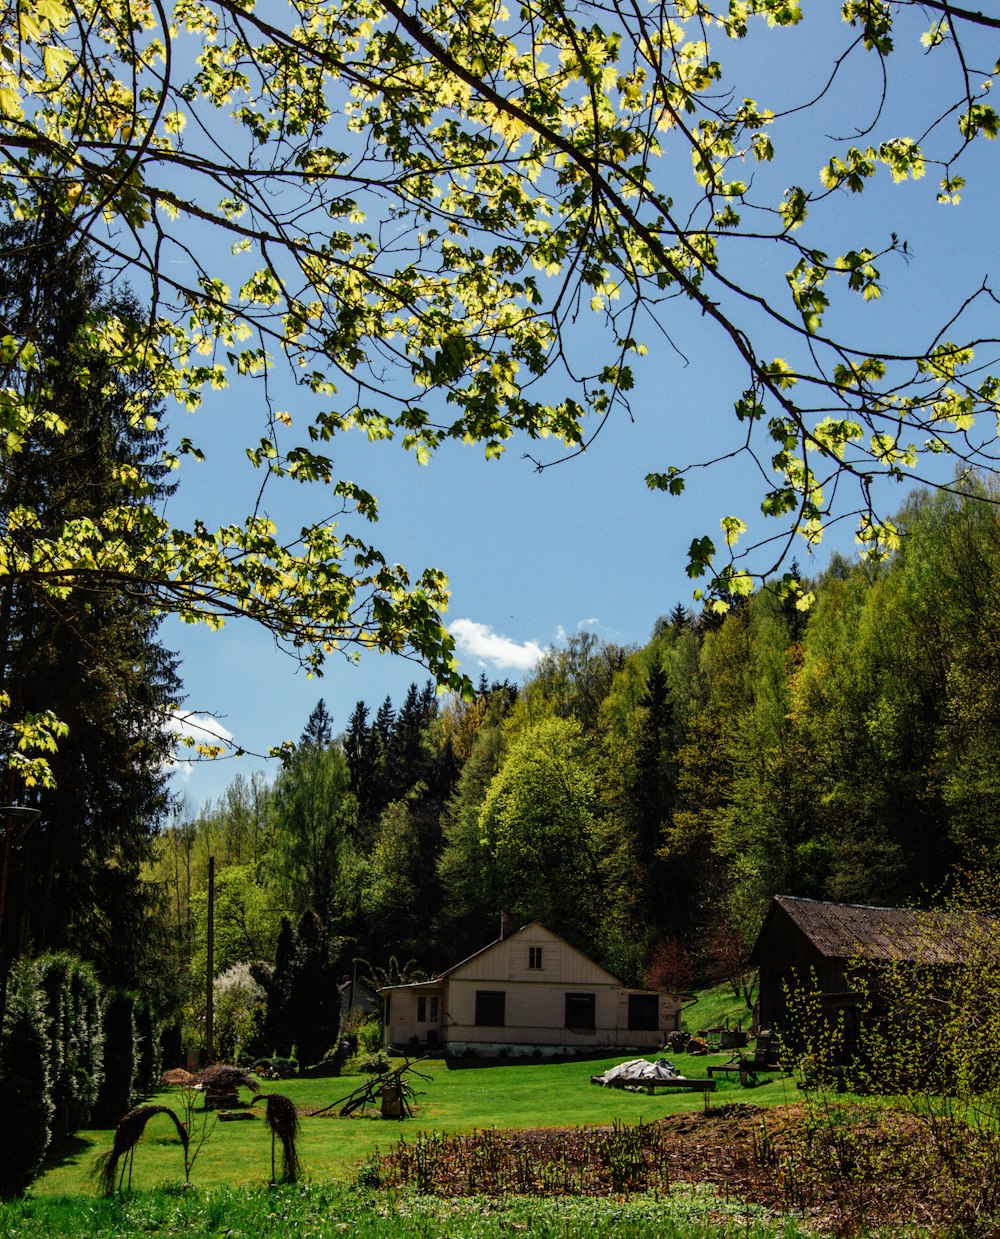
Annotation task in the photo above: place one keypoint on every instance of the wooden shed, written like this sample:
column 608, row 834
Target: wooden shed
column 809, row 943
column 529, row 991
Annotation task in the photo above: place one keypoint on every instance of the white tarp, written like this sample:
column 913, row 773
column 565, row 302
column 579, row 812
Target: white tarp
column 640, row 1069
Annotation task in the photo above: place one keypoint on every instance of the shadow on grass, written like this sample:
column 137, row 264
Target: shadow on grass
column 520, row 1060
column 70, row 1152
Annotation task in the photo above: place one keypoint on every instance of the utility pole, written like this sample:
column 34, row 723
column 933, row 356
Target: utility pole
column 210, row 968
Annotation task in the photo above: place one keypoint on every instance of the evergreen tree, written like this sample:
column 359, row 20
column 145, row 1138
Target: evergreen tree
column 313, row 998
column 277, row 1033
column 92, row 657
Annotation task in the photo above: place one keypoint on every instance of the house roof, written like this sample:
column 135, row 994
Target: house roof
column 441, row 976
column 448, row 972
column 845, row 931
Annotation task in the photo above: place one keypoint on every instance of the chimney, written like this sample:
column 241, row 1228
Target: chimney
column 508, row 926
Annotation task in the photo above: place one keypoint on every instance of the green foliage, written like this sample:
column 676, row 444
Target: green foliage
column 303, row 1003
column 75, row 1035
column 538, row 827
column 370, row 1037
column 313, row 998
column 149, row 1059
column 240, row 1005
column 463, row 186
column 121, row 1058
column 25, row 1084
column 313, row 814
column 92, row 656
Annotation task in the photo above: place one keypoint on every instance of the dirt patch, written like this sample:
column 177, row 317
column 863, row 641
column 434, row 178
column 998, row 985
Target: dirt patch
column 840, row 1167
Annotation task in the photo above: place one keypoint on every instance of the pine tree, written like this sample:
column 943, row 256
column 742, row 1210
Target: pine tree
column 92, row 657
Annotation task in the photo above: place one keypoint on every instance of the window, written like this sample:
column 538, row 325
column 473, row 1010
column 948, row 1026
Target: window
column 643, row 1012
column 490, row 1005
column 427, row 1009
column 580, row 1012
column 534, row 957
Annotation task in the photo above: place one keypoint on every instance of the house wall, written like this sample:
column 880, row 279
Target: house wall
column 403, row 1024
column 535, row 1015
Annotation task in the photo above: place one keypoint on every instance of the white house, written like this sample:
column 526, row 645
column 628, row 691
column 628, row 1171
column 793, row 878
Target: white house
column 527, row 991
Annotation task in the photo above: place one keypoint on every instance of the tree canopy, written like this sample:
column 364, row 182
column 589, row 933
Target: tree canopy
column 424, row 202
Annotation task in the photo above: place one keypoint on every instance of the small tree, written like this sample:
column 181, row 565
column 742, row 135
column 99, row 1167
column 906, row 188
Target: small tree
column 313, row 998
column 275, row 981
column 727, row 958
column 148, row 1053
column 670, row 967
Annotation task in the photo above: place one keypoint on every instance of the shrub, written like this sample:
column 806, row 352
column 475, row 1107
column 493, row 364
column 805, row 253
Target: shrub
column 240, row 1007
column 370, row 1036
column 25, row 1093
column 148, row 1057
column 172, row 1047
column 88, row 1007
column 121, row 1053
column 71, row 1001
column 376, row 1064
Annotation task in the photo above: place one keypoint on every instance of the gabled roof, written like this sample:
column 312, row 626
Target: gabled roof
column 532, row 925
column 847, row 931
column 490, row 946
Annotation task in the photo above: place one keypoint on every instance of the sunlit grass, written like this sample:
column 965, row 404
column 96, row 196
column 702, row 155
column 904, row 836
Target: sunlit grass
column 459, row 1098
column 320, row 1211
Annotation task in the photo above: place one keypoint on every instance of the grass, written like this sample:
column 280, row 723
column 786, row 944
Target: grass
column 318, row 1212
column 459, row 1098
column 715, row 1006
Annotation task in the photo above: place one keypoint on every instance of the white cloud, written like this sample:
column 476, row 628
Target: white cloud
column 202, row 729
column 480, row 642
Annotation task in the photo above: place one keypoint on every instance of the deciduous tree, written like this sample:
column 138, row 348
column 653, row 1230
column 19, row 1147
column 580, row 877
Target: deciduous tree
column 421, row 200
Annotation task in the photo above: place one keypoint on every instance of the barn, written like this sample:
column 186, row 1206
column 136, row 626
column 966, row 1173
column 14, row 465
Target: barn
column 811, row 944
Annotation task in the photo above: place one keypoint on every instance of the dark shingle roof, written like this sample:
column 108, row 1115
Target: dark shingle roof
column 846, row 931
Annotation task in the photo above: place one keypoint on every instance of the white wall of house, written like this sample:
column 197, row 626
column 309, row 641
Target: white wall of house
column 414, row 1011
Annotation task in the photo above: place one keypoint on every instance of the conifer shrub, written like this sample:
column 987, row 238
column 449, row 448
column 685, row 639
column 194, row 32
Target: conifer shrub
column 71, row 999
column 88, row 1045
column 25, row 1093
column 149, row 1061
column 171, row 1047
column 121, row 1055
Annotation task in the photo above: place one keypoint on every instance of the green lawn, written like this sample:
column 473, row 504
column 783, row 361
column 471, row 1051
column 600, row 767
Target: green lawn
column 459, row 1098
column 715, row 1006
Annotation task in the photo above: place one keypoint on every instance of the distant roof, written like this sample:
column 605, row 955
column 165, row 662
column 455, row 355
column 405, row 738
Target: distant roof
column 848, row 930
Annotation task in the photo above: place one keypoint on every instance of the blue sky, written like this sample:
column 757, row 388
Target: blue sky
column 533, row 556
